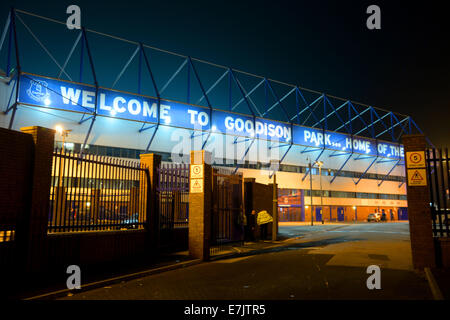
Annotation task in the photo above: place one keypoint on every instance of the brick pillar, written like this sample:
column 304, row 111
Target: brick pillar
column 200, row 208
column 36, row 222
column 150, row 198
column 419, row 213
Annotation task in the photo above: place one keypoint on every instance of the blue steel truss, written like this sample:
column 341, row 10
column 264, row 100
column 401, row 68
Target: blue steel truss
column 239, row 91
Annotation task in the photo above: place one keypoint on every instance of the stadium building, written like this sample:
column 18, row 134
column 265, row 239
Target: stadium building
column 333, row 157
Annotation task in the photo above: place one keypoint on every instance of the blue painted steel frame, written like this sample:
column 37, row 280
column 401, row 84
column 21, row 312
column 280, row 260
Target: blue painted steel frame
column 207, row 100
column 18, row 67
column 158, row 95
column 94, row 117
column 390, row 171
column 10, row 27
column 341, row 168
column 317, row 159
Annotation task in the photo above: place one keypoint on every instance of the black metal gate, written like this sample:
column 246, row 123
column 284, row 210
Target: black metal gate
column 439, row 177
column 227, row 224
column 173, row 198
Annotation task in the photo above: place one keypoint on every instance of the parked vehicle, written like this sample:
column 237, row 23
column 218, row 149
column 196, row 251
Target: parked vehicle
column 132, row 222
column 374, row 217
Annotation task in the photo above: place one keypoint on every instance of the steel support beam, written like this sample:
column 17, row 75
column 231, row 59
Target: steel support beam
column 364, row 173
column 91, row 63
column 390, row 171
column 18, row 67
column 278, row 99
column 174, row 75
column 42, row 46
column 70, row 54
column 125, row 67
column 317, row 159
column 213, row 86
column 245, row 154
column 341, row 168
column 247, row 95
column 5, row 30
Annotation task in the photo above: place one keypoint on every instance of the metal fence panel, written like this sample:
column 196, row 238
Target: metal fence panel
column 439, row 177
column 226, row 226
column 96, row 193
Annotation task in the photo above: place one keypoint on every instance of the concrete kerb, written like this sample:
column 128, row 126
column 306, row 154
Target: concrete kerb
column 237, row 253
column 437, row 294
column 115, row 280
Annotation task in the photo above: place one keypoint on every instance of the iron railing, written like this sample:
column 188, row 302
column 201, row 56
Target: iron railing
column 439, row 177
column 96, row 193
column 227, row 225
column 173, row 195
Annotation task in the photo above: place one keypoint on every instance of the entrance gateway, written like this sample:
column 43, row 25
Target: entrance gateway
column 359, row 145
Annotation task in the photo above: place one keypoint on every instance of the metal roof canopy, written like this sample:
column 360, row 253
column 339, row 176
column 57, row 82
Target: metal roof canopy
column 192, row 81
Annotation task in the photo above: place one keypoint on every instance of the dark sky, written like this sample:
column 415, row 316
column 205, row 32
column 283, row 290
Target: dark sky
column 321, row 45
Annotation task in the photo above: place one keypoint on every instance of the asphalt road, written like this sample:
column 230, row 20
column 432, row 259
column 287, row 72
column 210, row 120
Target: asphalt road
column 327, row 262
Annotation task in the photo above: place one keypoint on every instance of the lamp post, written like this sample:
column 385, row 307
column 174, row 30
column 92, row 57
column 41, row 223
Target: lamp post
column 64, row 133
column 310, row 191
column 320, row 164
column 59, row 210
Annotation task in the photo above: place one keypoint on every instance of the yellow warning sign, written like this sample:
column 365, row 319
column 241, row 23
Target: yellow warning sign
column 196, row 171
column 196, row 185
column 417, row 177
column 415, row 159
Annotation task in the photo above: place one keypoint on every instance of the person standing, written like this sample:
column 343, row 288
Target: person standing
column 263, row 220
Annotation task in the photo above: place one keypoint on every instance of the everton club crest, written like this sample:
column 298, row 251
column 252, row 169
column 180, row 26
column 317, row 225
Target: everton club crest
column 38, row 90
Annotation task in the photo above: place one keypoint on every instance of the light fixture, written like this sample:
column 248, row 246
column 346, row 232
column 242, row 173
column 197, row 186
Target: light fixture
column 59, row 129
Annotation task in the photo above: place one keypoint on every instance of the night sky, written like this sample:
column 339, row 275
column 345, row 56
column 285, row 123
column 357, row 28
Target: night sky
column 321, row 45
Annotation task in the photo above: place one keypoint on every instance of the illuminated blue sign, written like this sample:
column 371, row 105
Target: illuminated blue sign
column 59, row 94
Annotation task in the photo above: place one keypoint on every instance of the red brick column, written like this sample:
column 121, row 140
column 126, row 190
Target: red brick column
column 200, row 210
column 152, row 162
column 419, row 213
column 37, row 220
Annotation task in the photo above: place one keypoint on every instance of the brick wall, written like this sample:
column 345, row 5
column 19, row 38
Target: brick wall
column 16, row 150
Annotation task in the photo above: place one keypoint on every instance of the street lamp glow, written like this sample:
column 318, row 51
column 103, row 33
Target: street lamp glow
column 59, row 129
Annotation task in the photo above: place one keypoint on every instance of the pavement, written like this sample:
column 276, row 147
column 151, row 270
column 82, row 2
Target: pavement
column 307, row 262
